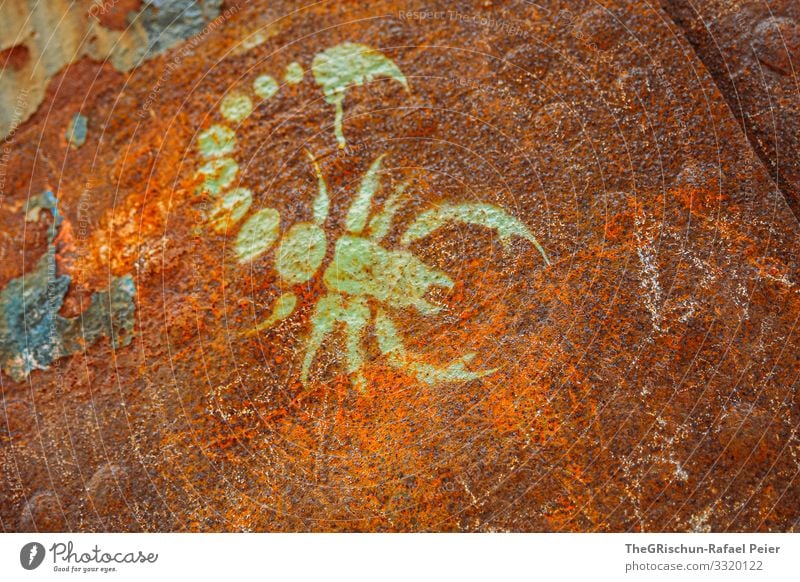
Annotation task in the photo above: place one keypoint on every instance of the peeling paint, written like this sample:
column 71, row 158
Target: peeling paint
column 32, row 333
column 57, row 34
column 168, row 22
column 76, row 131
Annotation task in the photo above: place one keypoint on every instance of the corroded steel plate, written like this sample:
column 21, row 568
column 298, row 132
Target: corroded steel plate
column 382, row 266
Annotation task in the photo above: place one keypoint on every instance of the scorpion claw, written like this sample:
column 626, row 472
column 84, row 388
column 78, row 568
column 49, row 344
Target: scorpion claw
column 480, row 214
column 391, row 344
column 456, row 371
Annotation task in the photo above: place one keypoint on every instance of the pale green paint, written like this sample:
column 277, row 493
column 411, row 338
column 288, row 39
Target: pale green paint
column 294, row 73
column 478, row 213
column 216, row 141
column 283, row 308
column 230, row 208
column 258, row 234
column 361, row 271
column 327, row 313
column 381, row 223
column 265, row 87
column 348, row 64
column 236, row 107
column 301, row 252
column 353, row 315
column 397, row 278
column 33, row 334
column 359, row 209
column 321, row 202
column 217, row 174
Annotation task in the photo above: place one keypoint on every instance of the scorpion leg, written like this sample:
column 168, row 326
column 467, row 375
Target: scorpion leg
column 329, row 310
column 283, row 308
column 322, row 201
column 355, row 318
column 391, row 345
column 333, row 309
column 359, row 210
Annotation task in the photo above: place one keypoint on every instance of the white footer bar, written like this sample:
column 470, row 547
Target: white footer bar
column 379, row 557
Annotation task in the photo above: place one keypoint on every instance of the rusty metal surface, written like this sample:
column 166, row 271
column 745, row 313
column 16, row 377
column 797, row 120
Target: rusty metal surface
column 752, row 49
column 639, row 372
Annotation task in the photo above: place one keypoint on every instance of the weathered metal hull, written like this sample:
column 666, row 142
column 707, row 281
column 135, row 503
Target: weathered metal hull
column 644, row 374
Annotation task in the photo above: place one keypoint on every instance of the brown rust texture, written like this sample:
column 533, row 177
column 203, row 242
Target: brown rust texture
column 752, row 49
column 647, row 379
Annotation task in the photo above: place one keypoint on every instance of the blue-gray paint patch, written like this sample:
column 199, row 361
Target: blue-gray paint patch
column 77, row 129
column 169, row 22
column 45, row 201
column 32, row 333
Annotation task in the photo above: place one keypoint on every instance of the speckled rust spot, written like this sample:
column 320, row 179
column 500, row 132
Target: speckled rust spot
column 15, row 58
